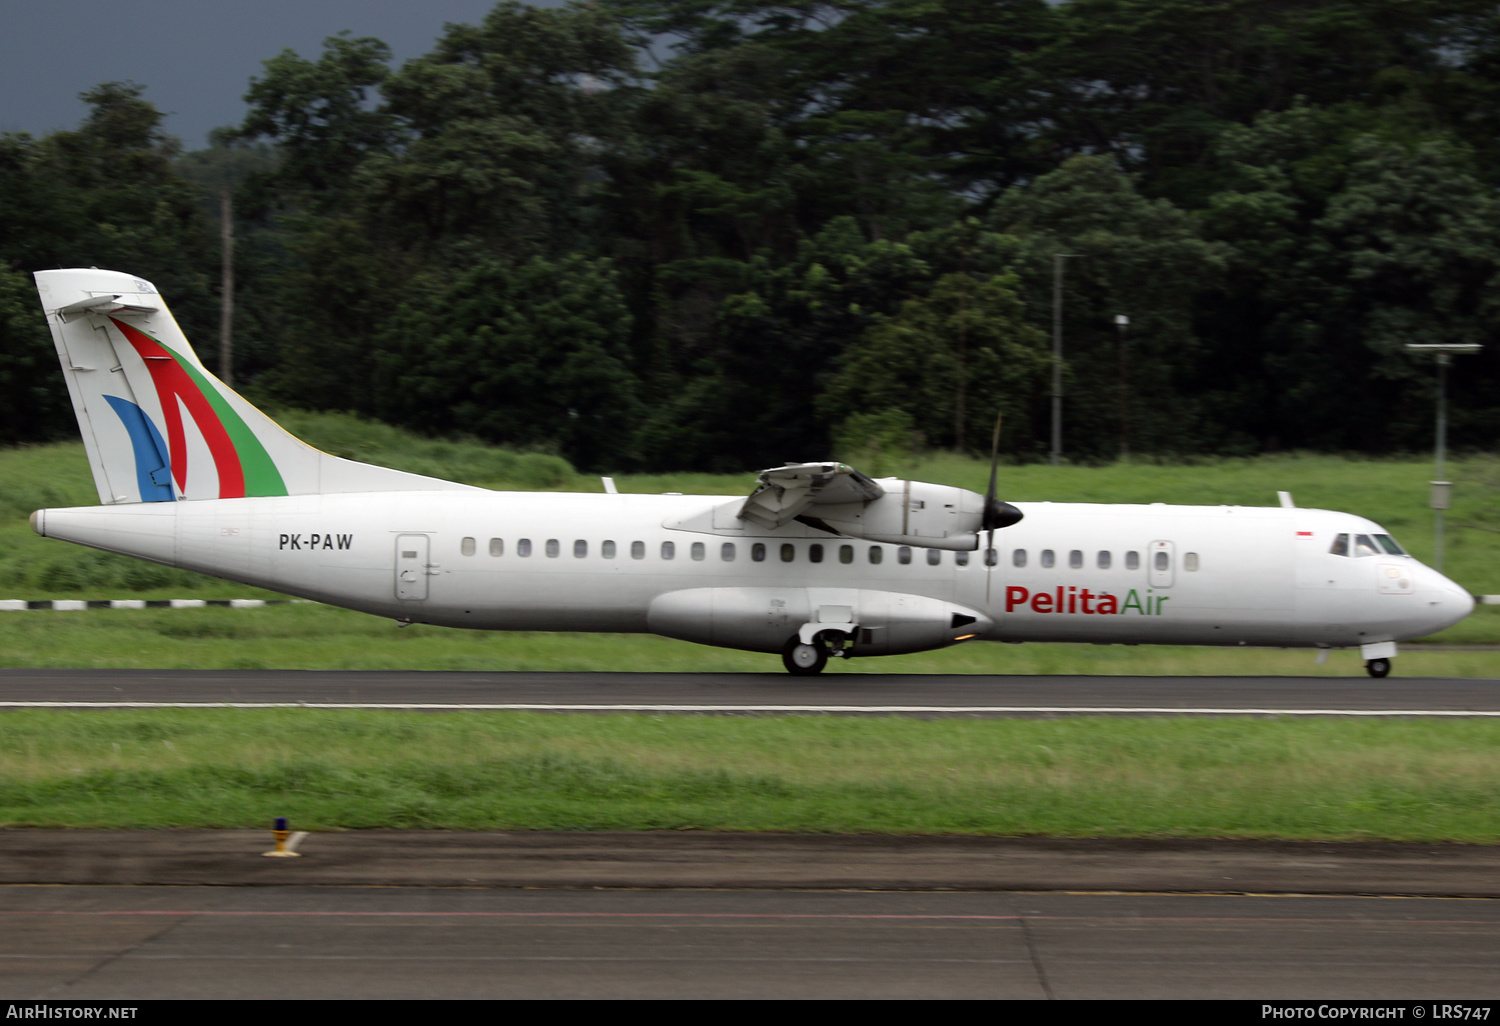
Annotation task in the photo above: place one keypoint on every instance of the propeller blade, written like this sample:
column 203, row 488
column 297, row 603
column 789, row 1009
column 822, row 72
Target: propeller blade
column 997, row 514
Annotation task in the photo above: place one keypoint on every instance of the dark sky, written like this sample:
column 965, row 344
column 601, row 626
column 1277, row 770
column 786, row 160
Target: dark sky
column 195, row 57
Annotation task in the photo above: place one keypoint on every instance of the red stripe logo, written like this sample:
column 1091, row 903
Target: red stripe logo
column 172, row 383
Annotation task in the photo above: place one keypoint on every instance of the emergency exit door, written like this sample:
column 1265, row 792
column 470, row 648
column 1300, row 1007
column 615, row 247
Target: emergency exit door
column 1162, row 564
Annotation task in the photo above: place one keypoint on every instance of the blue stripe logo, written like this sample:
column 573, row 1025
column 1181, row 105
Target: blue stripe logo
column 152, row 475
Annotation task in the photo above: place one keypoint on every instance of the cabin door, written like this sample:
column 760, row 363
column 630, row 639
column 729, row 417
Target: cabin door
column 412, row 564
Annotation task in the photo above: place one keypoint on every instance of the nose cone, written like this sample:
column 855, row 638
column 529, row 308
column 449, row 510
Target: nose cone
column 1447, row 603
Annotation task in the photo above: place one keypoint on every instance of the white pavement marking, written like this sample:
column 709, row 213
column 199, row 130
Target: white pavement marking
column 1112, row 710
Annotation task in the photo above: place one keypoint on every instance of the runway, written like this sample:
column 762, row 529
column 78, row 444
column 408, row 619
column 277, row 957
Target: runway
column 846, row 693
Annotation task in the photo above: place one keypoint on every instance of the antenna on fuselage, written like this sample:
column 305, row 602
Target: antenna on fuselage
column 1285, row 498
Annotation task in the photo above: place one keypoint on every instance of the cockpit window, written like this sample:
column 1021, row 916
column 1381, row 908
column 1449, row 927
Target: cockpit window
column 1389, row 544
column 1340, row 546
column 1364, row 545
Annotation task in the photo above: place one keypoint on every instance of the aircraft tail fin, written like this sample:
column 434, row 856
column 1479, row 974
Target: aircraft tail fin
column 157, row 425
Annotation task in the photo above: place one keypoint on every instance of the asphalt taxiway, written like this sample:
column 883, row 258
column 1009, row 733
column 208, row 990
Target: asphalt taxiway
column 128, row 943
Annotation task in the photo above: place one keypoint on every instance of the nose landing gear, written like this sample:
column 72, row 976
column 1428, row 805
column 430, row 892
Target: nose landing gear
column 1378, row 667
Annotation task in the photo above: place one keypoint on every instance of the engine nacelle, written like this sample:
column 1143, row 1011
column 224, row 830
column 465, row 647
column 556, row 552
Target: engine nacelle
column 911, row 513
column 762, row 619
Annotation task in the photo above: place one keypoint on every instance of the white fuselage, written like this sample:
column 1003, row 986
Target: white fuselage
column 685, row 566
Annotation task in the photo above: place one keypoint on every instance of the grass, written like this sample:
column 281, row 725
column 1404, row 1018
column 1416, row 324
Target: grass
column 1218, row 777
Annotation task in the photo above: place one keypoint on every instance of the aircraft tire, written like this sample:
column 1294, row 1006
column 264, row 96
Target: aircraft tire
column 1378, row 667
column 803, row 660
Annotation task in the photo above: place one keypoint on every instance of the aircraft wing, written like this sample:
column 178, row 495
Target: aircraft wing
column 785, row 493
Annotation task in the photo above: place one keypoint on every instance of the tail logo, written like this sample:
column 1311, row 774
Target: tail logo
column 244, row 467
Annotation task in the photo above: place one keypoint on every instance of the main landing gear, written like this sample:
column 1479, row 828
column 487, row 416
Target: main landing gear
column 1378, row 667
column 803, row 660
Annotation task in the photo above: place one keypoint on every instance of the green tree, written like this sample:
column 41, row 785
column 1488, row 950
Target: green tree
column 508, row 125
column 1154, row 82
column 320, row 114
column 34, row 403
column 1351, row 237
column 535, row 355
column 1132, row 256
column 739, row 385
column 950, row 360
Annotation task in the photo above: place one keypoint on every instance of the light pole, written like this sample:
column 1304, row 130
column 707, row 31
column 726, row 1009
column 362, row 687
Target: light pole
column 1121, row 323
column 1441, row 489
column 1057, row 273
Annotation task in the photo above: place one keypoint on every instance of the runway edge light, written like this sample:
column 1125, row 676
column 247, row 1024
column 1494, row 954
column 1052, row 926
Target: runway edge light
column 281, row 833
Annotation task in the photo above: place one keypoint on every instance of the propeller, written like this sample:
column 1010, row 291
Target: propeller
column 997, row 514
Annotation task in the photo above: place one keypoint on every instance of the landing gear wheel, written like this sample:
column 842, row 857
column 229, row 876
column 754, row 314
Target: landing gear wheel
column 1378, row 667
column 804, row 660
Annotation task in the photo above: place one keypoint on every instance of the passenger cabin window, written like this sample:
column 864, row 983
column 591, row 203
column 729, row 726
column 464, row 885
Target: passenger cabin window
column 788, row 552
column 1364, row 545
column 553, row 548
column 607, row 550
column 637, row 550
column 758, row 552
column 497, row 547
column 815, row 553
column 846, row 553
column 876, row 555
column 1163, row 561
column 580, row 549
column 1018, row 557
column 1048, row 558
column 934, row 557
column 991, row 557
column 1340, row 546
column 1132, row 561
column 1190, row 562
column 903, row 555
column 1075, row 559
column 726, row 552
column 698, row 551
column 1104, row 560
column 961, row 558
column 523, row 547
column 466, row 546
column 668, row 550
